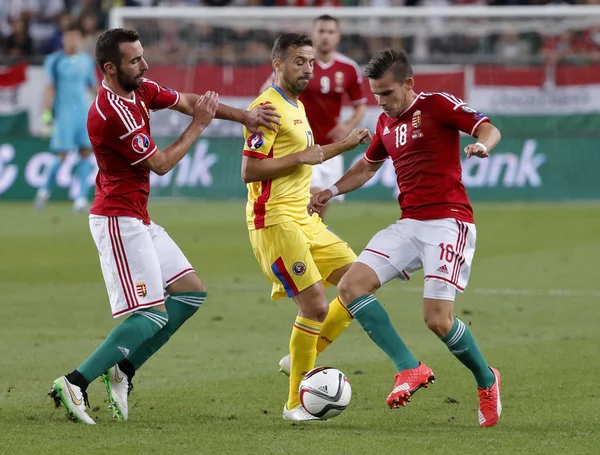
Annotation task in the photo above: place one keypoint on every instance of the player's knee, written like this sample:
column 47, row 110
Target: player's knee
column 316, row 312
column 320, row 312
column 350, row 290
column 439, row 323
column 440, row 327
column 188, row 283
column 199, row 287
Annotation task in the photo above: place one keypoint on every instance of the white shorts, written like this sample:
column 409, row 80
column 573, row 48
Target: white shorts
column 138, row 261
column 326, row 174
column 443, row 248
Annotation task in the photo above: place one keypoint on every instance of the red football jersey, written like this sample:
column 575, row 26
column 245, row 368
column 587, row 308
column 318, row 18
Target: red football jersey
column 424, row 145
column 324, row 94
column 119, row 129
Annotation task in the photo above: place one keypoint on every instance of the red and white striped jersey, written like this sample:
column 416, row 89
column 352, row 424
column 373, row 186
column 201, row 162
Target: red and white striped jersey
column 119, row 130
column 424, row 145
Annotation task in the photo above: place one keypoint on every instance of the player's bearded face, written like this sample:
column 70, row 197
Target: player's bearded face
column 129, row 82
column 298, row 69
column 130, row 72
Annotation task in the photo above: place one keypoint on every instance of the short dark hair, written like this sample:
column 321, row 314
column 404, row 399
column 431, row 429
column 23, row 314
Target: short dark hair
column 327, row 17
column 284, row 42
column 389, row 60
column 73, row 28
column 107, row 46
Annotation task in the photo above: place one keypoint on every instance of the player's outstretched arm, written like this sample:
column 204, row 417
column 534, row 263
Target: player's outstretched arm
column 204, row 111
column 261, row 169
column 341, row 130
column 357, row 136
column 357, row 176
column 264, row 115
column 488, row 137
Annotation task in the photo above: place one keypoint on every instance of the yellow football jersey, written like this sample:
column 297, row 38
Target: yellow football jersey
column 285, row 198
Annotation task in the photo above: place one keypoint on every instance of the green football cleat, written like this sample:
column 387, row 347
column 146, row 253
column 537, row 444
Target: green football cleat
column 73, row 398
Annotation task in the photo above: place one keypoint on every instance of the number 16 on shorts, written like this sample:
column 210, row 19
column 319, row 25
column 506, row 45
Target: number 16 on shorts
column 450, row 260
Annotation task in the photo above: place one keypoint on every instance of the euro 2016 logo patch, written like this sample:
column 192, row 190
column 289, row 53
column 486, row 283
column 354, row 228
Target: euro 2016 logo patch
column 140, row 143
column 469, row 110
column 299, row 268
column 255, row 141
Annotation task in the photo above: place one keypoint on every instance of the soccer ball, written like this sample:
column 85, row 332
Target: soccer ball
column 325, row 392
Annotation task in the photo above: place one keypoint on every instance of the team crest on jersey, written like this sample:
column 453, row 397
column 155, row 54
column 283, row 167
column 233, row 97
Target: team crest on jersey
column 416, row 119
column 386, row 130
column 140, row 143
column 255, row 141
column 299, row 268
column 141, row 289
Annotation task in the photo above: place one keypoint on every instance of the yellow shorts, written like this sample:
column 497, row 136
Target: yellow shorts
column 294, row 256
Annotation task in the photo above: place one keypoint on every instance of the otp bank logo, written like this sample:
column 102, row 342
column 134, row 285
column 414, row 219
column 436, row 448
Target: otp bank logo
column 255, row 141
column 140, row 143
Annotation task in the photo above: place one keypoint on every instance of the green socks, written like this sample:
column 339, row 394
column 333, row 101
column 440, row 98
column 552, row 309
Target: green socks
column 124, row 339
column 460, row 343
column 376, row 322
column 180, row 306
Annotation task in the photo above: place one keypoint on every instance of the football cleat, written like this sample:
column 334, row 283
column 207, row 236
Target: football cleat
column 490, row 406
column 407, row 382
column 81, row 205
column 41, row 199
column 298, row 414
column 73, row 398
column 118, row 388
column 285, row 365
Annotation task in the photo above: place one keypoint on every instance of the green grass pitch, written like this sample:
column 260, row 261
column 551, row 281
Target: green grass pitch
column 532, row 303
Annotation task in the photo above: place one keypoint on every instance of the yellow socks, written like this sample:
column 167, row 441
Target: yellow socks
column 303, row 351
column 338, row 319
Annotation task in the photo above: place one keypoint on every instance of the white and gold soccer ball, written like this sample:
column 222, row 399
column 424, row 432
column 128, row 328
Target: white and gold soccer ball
column 325, row 392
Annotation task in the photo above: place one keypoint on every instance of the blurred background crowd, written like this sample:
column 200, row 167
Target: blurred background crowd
column 31, row 29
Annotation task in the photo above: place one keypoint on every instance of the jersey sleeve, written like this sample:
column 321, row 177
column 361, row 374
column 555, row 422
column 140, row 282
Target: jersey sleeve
column 455, row 112
column 50, row 68
column 256, row 145
column 135, row 146
column 355, row 88
column 157, row 96
column 376, row 153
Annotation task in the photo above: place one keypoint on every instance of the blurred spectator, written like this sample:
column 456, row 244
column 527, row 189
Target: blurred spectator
column 19, row 43
column 80, row 8
column 590, row 44
column 28, row 8
column 194, row 41
column 511, row 48
column 89, row 28
column 54, row 44
column 562, row 47
column 217, row 2
column 308, row 3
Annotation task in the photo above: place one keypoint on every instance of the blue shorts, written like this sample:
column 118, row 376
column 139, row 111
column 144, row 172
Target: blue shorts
column 70, row 134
